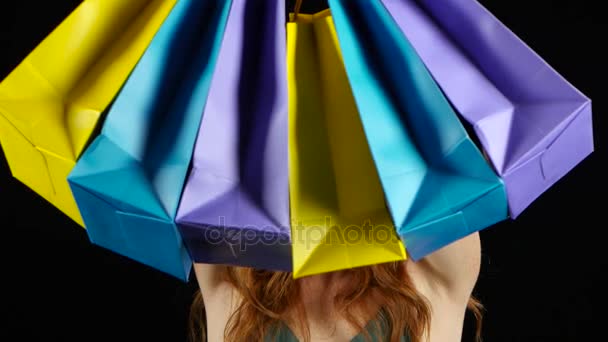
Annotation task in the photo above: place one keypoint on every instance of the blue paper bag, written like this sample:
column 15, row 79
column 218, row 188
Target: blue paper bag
column 129, row 181
column 437, row 185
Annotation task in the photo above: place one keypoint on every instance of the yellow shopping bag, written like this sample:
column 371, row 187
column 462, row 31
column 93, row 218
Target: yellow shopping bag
column 339, row 217
column 51, row 103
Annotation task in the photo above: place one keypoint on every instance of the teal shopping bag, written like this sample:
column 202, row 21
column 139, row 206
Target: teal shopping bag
column 437, row 184
column 129, row 181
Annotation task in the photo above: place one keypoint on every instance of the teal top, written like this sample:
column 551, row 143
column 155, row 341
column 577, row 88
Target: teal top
column 284, row 334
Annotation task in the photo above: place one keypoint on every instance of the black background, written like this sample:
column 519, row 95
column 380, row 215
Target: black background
column 542, row 275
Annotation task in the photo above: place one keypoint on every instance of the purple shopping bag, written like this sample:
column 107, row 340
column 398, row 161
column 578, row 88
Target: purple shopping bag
column 533, row 124
column 235, row 205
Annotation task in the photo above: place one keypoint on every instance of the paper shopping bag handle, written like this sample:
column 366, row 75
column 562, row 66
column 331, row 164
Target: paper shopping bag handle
column 296, row 9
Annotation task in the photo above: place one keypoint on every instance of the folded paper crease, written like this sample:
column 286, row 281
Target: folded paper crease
column 50, row 105
column 437, row 184
column 339, row 216
column 235, row 205
column 129, row 180
column 517, row 104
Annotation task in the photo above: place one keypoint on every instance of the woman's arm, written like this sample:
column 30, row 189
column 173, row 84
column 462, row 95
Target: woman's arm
column 218, row 297
column 452, row 270
column 209, row 276
column 447, row 278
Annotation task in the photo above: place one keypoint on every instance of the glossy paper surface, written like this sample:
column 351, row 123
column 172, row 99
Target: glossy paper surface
column 533, row 124
column 51, row 103
column 338, row 211
column 437, row 184
column 129, row 181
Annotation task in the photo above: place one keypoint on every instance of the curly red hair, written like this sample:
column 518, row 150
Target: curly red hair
column 267, row 296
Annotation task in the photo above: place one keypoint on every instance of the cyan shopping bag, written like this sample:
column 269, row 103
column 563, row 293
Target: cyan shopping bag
column 128, row 182
column 235, row 205
column 533, row 124
column 438, row 186
column 52, row 103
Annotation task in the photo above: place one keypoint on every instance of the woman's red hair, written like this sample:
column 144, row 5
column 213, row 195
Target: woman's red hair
column 271, row 298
